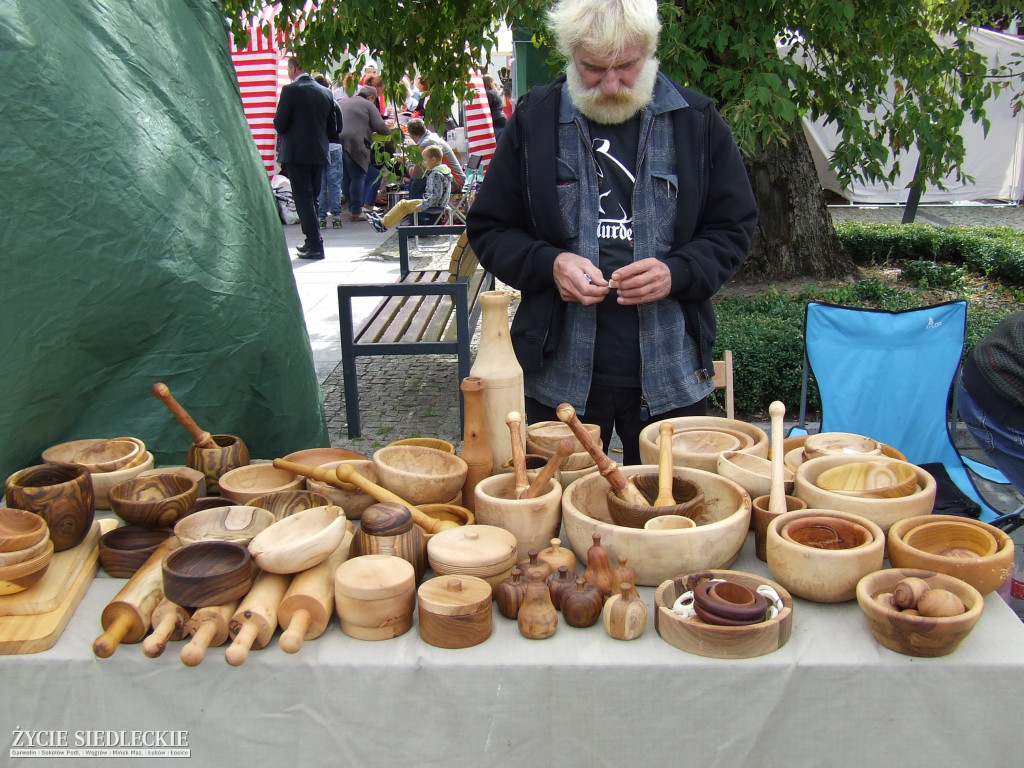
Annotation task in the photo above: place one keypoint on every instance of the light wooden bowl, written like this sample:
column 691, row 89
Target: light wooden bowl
column 354, row 500
column 282, row 504
column 124, row 550
column 251, row 480
column 534, row 522
column 581, row 461
column 881, row 480
column 108, row 455
column 420, row 475
column 793, row 449
column 300, row 541
column 457, row 514
column 669, row 523
column 426, row 442
column 317, row 457
column 752, row 473
column 720, row 642
column 237, row 524
column 158, row 501
column 820, row 574
column 955, row 546
column 546, row 435
column 207, row 573
column 917, row 635
column 839, row 443
column 28, row 553
column 885, row 512
column 707, row 461
column 20, row 576
column 20, row 528
column 102, row 482
column 64, row 453
column 658, row 555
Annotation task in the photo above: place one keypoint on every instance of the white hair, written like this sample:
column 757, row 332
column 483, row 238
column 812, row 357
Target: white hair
column 605, row 27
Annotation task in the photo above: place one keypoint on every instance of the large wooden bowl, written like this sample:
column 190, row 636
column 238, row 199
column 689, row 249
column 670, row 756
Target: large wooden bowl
column 534, row 522
column 282, row 504
column 251, row 480
column 317, row 457
column 420, row 475
column 955, row 546
column 917, row 635
column 20, row 528
column 650, row 439
column 840, row 443
column 656, row 556
column 543, row 437
column 820, row 571
column 102, row 482
column 207, row 573
column 692, row 635
column 752, row 473
column 885, row 512
column 157, row 501
column 237, row 524
column 20, row 576
column 355, row 500
column 124, row 550
column 426, row 442
column 300, row 541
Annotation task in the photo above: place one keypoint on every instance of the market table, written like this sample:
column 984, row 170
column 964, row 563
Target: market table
column 831, row 696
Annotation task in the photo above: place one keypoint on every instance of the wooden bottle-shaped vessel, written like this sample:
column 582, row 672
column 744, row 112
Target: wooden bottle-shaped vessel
column 599, row 569
column 497, row 365
column 560, row 582
column 510, row 594
column 581, row 606
column 476, row 451
column 623, row 574
column 534, row 562
column 625, row 616
column 557, row 555
column 537, row 618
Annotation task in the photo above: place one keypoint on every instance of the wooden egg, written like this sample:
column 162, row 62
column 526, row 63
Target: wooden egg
column 282, row 504
column 300, row 541
column 731, row 434
column 20, row 528
column 420, row 475
column 485, row 551
column 124, row 550
column 20, row 576
column 375, row 596
column 236, row 523
column 247, row 482
column 455, row 611
column 207, row 573
column 157, row 501
column 752, row 473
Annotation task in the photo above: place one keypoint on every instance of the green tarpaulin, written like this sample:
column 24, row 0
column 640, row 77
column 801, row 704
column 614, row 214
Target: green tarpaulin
column 140, row 241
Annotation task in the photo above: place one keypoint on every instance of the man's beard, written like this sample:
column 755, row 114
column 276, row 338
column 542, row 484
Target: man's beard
column 612, row 110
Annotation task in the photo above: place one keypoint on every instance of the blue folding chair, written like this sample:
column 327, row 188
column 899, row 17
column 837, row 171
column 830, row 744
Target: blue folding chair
column 888, row 375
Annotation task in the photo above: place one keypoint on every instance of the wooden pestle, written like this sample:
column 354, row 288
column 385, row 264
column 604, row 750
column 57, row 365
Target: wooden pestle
column 665, row 469
column 609, row 469
column 127, row 617
column 515, row 422
column 170, row 622
column 254, row 622
column 201, row 437
column 476, row 451
column 308, row 606
column 563, row 450
column 209, row 628
column 429, row 524
column 777, row 498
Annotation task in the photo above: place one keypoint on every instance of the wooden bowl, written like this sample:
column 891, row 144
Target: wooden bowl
column 823, row 571
column 669, row 523
column 300, row 541
column 59, row 493
column 955, row 546
column 157, row 501
column 191, row 474
column 420, row 475
column 426, row 442
column 108, row 455
column 102, row 482
column 354, row 501
column 688, row 496
column 715, row 641
column 251, row 480
column 123, row 550
column 457, row 514
column 209, row 502
column 707, row 461
column 317, row 457
column 760, row 517
column 20, row 576
column 20, row 528
column 839, row 443
column 752, row 473
column 656, row 556
column 882, row 480
column 207, row 573
column 533, row 522
column 543, row 437
column 28, row 553
column 282, row 504
column 237, row 524
column 885, row 512
column 917, row 635
column 793, row 448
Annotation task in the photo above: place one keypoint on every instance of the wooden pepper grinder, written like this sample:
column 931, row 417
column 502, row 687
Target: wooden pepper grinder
column 557, row 555
column 599, row 569
column 254, row 622
column 510, row 594
column 582, row 606
column 625, row 616
column 560, row 582
column 170, row 622
column 623, row 574
column 476, row 451
column 537, row 618
column 209, row 628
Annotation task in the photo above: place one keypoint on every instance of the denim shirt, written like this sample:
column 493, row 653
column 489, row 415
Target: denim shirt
column 670, row 375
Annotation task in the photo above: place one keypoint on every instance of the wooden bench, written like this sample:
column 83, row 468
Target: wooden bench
column 427, row 312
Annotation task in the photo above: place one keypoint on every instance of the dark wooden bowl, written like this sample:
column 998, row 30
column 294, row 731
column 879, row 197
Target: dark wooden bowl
column 282, row 504
column 688, row 496
column 157, row 501
column 207, row 573
column 61, row 494
column 124, row 550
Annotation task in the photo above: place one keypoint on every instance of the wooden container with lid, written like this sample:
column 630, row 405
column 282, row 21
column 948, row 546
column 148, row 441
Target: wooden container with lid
column 455, row 611
column 484, row 551
column 375, row 596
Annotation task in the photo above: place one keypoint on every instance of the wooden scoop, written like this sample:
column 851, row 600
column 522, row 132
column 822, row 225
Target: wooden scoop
column 209, row 627
column 665, row 469
column 347, row 473
column 777, row 499
column 608, row 468
column 201, row 437
column 514, row 421
column 562, row 452
column 170, row 622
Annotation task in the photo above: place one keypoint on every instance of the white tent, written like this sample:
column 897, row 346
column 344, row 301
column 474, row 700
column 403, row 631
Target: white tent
column 996, row 160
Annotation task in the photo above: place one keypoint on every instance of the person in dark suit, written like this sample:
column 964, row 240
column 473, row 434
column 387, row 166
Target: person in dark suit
column 304, row 119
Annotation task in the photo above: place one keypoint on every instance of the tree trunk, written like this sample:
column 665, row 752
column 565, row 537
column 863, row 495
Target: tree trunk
column 795, row 236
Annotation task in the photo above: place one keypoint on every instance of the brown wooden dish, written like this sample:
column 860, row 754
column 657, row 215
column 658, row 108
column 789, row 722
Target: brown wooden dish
column 207, row 573
column 688, row 497
column 282, row 504
column 124, row 550
column 157, row 501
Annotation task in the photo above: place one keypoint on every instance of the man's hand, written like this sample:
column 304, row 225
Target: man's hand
column 579, row 280
column 641, row 282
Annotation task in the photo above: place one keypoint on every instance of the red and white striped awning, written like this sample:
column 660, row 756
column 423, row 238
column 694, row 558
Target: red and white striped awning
column 479, row 129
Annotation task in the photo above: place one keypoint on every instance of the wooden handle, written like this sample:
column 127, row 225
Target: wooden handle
column 777, row 499
column 347, row 473
column 201, row 437
column 293, row 637
column 514, row 421
column 209, row 627
column 308, row 606
column 563, row 451
column 317, row 473
column 107, row 643
column 665, row 470
column 170, row 622
column 239, row 649
column 608, row 468
column 256, row 618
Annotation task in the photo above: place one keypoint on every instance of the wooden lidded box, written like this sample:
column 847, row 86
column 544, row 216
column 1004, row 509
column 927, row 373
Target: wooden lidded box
column 484, row 551
column 375, row 596
column 455, row 611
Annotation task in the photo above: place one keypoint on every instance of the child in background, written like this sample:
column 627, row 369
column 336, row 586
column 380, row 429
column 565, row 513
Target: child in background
column 436, row 194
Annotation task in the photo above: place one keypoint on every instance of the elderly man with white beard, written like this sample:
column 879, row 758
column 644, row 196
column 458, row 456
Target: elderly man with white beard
column 618, row 204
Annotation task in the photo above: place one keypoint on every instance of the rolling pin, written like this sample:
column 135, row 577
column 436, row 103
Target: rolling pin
column 308, row 605
column 608, row 468
column 540, row 481
column 209, row 628
column 127, row 618
column 515, row 428
column 201, row 437
column 254, row 622
column 429, row 524
column 170, row 622
column 777, row 498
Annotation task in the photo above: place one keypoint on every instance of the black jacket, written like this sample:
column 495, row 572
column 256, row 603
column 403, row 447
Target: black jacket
column 305, row 118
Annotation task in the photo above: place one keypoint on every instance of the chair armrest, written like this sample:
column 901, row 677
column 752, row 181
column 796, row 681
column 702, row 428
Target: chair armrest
column 404, row 233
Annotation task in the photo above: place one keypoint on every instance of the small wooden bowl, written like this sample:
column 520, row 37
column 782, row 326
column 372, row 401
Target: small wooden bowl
column 20, row 528
column 300, row 541
column 20, row 576
column 251, row 480
column 282, row 504
column 881, row 480
column 157, row 501
column 207, row 573
column 124, row 550
column 109, row 455
column 237, row 524
column 753, row 440
column 101, row 481
column 955, row 546
column 28, row 553
column 209, row 502
column 420, row 475
column 917, row 635
column 457, row 514
column 839, row 444
column 668, row 523
column 426, row 442
column 61, row 494
column 317, row 457
column 716, row 641
column 687, row 494
column 752, row 473
column 823, row 571
column 546, row 435
column 354, row 500
column 760, row 517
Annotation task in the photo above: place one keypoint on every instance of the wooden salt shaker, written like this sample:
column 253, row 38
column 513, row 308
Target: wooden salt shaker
column 455, row 611
column 537, row 618
column 557, row 555
column 510, row 594
column 581, row 607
